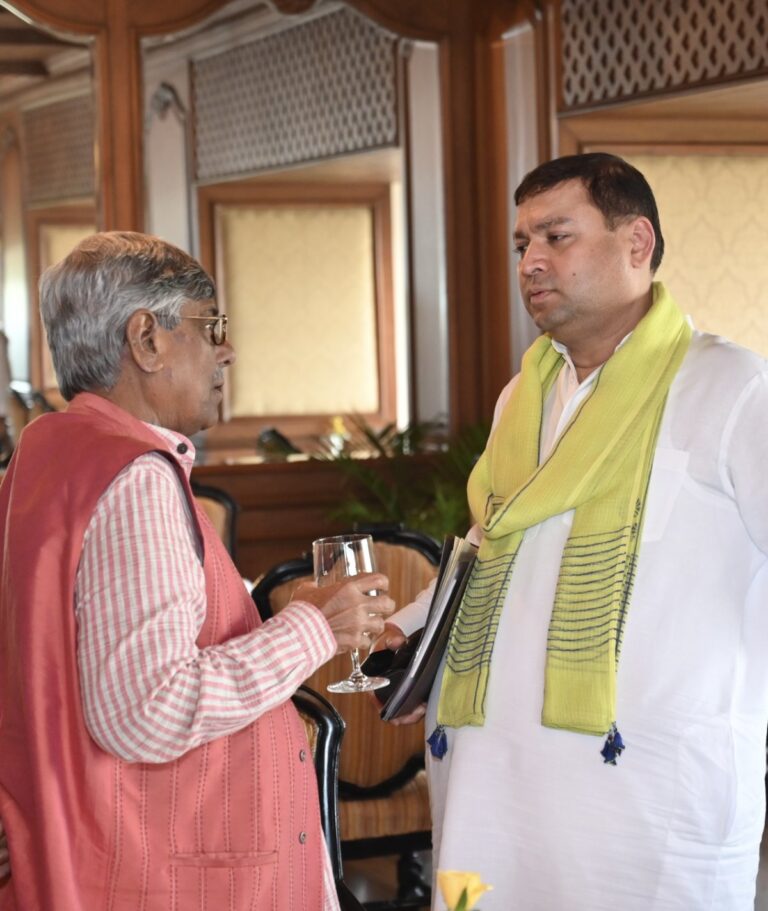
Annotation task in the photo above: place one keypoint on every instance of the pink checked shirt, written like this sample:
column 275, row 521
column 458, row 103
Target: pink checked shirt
column 149, row 693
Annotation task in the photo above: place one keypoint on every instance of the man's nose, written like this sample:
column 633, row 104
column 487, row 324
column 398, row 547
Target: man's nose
column 225, row 354
column 532, row 260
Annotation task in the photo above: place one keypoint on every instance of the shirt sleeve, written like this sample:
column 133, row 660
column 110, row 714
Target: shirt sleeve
column 744, row 456
column 413, row 616
column 330, row 898
column 149, row 693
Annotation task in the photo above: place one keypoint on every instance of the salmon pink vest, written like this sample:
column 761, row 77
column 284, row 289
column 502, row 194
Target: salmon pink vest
column 232, row 825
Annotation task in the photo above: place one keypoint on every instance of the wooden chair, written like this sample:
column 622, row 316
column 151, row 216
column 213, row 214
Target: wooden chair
column 383, row 798
column 325, row 730
column 222, row 510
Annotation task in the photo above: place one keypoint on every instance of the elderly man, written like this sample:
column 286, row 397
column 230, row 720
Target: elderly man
column 151, row 757
column 602, row 709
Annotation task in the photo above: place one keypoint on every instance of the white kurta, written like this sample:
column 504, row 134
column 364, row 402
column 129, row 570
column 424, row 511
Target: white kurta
column 677, row 823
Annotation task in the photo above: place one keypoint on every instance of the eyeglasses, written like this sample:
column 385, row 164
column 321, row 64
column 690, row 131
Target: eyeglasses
column 216, row 325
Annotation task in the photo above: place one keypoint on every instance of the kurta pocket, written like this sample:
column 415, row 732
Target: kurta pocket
column 237, row 881
column 224, row 859
column 667, row 477
column 705, row 804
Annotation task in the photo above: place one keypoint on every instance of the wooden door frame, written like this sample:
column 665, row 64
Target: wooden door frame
column 61, row 214
column 375, row 196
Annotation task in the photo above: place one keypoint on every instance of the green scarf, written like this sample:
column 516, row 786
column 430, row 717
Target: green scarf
column 599, row 467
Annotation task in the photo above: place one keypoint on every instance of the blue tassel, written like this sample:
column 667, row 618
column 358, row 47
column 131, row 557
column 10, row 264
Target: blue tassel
column 438, row 742
column 608, row 752
column 613, row 746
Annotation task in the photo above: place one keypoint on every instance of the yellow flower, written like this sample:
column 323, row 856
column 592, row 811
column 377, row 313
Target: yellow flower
column 338, row 426
column 453, row 884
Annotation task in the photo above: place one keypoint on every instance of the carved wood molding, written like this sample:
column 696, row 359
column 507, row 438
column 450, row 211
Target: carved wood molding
column 439, row 20
column 89, row 17
column 410, row 18
column 86, row 17
column 294, row 7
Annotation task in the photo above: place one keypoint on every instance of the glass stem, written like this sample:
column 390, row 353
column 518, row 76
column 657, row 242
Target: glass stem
column 356, row 674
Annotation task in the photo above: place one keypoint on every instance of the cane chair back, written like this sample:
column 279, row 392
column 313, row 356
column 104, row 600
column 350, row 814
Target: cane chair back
column 222, row 511
column 383, row 798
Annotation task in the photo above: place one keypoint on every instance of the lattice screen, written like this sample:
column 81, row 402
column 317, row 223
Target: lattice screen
column 322, row 88
column 616, row 49
column 57, row 144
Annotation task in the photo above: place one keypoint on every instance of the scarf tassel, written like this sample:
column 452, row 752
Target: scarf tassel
column 438, row 742
column 613, row 746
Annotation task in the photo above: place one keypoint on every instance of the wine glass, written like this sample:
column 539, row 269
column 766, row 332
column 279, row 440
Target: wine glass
column 335, row 559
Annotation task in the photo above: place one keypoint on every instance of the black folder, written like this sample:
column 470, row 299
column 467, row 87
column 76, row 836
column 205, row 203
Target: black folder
column 412, row 668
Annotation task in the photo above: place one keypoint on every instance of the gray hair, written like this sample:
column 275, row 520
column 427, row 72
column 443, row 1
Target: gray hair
column 87, row 299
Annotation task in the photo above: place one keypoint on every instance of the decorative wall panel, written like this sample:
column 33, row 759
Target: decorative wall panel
column 618, row 49
column 57, row 142
column 322, row 88
column 300, row 290
column 715, row 224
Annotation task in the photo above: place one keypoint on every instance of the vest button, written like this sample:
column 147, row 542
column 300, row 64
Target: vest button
column 182, row 448
column 302, row 755
column 302, row 837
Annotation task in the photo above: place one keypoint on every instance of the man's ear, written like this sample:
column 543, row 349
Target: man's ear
column 643, row 241
column 144, row 347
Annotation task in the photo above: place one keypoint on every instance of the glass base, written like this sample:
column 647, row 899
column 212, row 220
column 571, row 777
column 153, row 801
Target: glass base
column 355, row 684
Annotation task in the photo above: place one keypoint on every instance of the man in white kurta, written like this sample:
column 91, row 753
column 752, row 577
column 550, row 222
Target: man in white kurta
column 676, row 824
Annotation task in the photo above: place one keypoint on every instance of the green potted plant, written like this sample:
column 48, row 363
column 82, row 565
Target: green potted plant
column 427, row 494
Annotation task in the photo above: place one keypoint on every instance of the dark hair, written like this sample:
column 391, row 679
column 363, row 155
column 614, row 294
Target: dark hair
column 616, row 188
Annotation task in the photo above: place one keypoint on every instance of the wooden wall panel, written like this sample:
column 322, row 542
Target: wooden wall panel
column 590, row 131
column 284, row 506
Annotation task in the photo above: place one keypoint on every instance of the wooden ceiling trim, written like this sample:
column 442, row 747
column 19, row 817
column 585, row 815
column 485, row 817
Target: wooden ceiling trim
column 30, row 37
column 23, row 68
column 91, row 16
